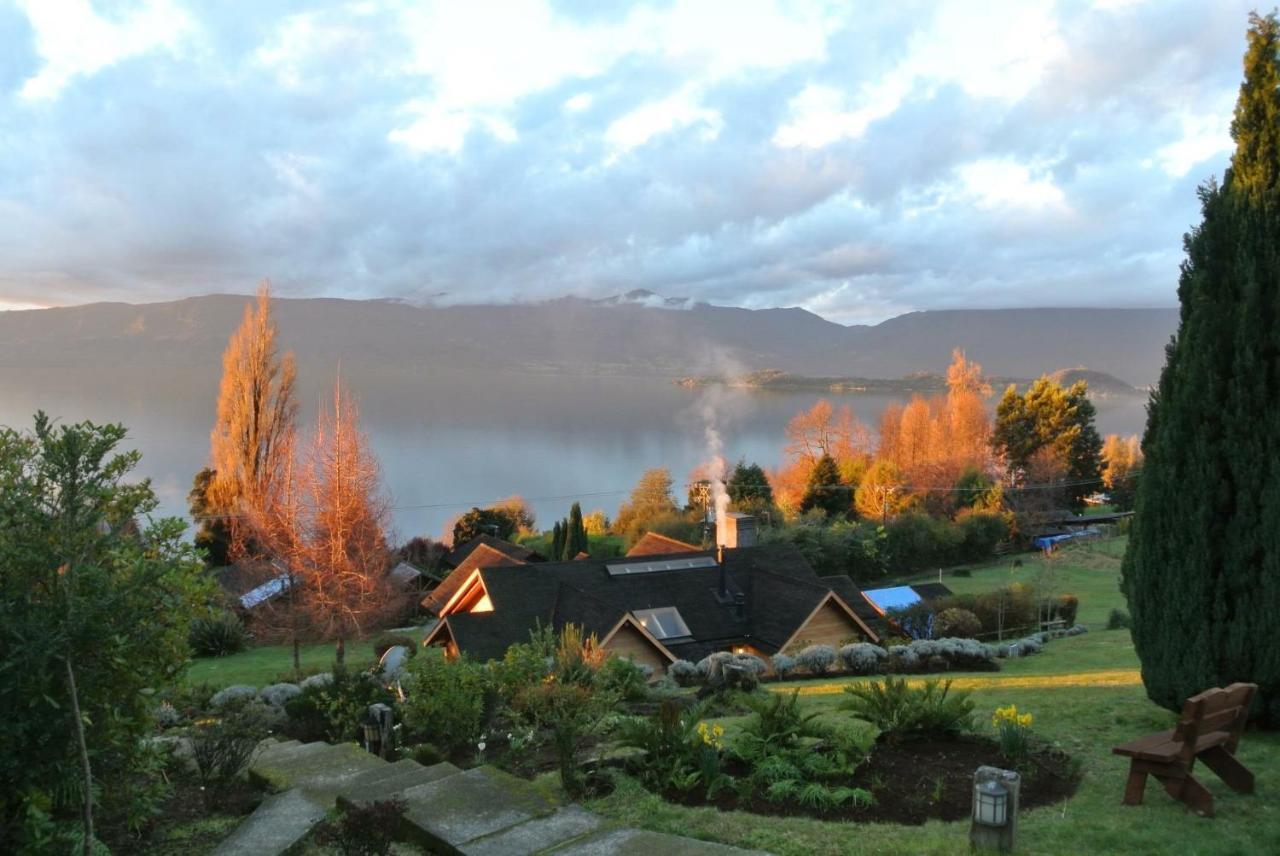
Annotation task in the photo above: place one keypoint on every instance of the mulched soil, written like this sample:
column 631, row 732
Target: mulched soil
column 922, row 780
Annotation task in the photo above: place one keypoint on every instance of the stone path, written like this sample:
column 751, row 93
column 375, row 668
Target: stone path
column 480, row 812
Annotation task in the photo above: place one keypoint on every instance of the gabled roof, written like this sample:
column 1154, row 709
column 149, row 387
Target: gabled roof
column 456, row 557
column 931, row 591
column 854, row 597
column 655, row 544
column 760, row 595
column 404, row 575
column 891, row 598
column 480, row 555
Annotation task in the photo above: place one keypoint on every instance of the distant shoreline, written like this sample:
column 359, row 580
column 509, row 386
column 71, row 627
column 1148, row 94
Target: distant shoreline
column 771, row 380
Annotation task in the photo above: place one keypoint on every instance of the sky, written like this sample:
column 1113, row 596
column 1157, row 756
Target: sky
column 859, row 160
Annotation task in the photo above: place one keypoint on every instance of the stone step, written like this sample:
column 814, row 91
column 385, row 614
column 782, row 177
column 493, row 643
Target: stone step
column 271, row 748
column 290, row 749
column 280, row 822
column 383, row 783
column 642, row 842
column 321, row 771
column 460, row 808
column 534, row 836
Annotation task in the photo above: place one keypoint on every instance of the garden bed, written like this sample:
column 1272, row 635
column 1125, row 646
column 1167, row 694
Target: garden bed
column 916, row 781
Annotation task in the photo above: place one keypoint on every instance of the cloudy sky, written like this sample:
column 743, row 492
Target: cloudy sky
column 857, row 159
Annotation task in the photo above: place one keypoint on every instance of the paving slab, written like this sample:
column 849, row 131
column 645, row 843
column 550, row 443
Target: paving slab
column 280, row 822
column 460, row 808
column 383, row 783
column 534, row 836
column 321, row 772
column 642, row 842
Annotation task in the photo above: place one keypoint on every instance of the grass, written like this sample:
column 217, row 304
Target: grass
column 268, row 664
column 1086, row 695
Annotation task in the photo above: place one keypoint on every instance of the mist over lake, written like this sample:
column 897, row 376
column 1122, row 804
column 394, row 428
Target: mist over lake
column 450, row 440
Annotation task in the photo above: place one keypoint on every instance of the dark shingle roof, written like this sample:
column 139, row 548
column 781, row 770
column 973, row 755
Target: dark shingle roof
column 931, row 591
column 458, row 555
column 480, row 556
column 776, row 592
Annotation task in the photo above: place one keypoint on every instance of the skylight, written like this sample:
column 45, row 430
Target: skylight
column 664, row 622
column 649, row 567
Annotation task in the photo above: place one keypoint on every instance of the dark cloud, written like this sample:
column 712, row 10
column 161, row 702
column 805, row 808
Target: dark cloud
column 284, row 145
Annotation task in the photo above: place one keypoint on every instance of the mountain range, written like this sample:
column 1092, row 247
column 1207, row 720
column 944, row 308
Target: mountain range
column 638, row 333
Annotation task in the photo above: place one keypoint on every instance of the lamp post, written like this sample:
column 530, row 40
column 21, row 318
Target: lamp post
column 995, row 809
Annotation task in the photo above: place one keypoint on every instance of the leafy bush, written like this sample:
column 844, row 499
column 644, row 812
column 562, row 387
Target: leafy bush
column 852, row 549
column 364, row 830
column 1065, row 609
column 1118, row 619
column 321, row 679
column 916, row 542
column 916, row 620
column 623, row 678
column 902, row 712
column 222, row 748
column 334, row 710
column 569, row 711
column 757, row 666
column 778, row 723
column 1008, row 610
column 904, row 660
column 783, row 664
column 167, row 716
column 684, row 673
column 278, row 695
column 959, row 623
column 678, row 750
column 817, row 659
column 980, row 532
column 446, row 699
column 524, row 664
column 217, row 635
column 706, row 664
column 958, row 653
column 864, row 658
column 234, row 694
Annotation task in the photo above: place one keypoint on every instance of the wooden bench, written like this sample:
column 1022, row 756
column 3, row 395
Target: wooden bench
column 1208, row 730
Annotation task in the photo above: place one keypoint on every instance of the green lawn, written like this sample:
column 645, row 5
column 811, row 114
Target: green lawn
column 1107, row 706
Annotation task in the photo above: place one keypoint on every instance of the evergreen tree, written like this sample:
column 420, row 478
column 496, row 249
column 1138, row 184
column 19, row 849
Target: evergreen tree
column 557, row 542
column 749, row 488
column 577, row 538
column 824, row 489
column 213, row 527
column 1050, row 427
column 1202, row 570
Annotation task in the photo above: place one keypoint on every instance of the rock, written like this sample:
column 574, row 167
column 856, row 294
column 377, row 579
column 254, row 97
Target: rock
column 321, row 680
column 277, row 694
column 277, row 825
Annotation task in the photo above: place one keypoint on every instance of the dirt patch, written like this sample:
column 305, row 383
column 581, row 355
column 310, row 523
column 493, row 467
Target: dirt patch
column 917, row 781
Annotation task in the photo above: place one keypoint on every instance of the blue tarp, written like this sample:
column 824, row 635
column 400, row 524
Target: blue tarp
column 1047, row 542
column 888, row 599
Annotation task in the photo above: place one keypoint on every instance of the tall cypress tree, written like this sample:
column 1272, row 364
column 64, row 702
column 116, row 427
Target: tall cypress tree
column 577, row 541
column 1202, row 571
column 557, row 542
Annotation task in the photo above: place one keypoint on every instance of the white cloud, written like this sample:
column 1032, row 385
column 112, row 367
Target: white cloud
column 73, row 40
column 819, row 116
column 578, row 103
column 1002, row 184
column 1204, row 135
column 661, row 117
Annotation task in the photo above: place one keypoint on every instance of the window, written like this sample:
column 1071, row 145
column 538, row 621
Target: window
column 664, row 622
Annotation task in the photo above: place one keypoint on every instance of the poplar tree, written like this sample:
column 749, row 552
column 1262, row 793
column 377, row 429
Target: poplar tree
column 557, row 542
column 1202, row 569
column 577, row 540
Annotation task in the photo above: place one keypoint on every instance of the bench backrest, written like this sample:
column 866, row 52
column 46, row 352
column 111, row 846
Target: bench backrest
column 1220, row 709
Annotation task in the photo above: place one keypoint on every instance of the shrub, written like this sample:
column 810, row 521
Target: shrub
column 817, row 659
column 364, row 830
column 624, row 678
column 863, row 658
column 962, row 572
column 335, row 710
column 446, row 699
column 1066, row 608
column 222, row 748
column 917, row 541
column 217, row 635
column 961, row 653
column 569, row 711
column 684, row 673
column 980, row 532
column 783, row 664
column 916, row 620
column 525, row 663
column 234, row 694
column 1118, row 620
column 902, row 712
column 277, row 695
column 904, row 660
column 706, row 663
column 959, row 623
column 323, row 679
column 677, row 750
column 751, row 662
column 167, row 716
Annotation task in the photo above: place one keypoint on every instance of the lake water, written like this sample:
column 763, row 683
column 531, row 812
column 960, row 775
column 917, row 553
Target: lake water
column 447, row 442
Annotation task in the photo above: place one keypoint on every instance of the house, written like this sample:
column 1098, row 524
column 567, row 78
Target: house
column 483, row 551
column 658, row 608
column 896, row 598
column 654, row 544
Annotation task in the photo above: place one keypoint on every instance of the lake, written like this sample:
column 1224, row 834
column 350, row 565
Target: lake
column 447, row 442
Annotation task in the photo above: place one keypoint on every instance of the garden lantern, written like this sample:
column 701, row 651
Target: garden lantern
column 995, row 810
column 991, row 803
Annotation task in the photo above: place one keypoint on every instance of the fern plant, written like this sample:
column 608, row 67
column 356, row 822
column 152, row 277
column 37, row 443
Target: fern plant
column 901, row 711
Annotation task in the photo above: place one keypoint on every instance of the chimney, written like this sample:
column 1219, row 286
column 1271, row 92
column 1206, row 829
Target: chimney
column 736, row 530
column 723, row 593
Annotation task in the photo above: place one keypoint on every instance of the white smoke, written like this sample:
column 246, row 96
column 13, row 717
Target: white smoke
column 717, row 405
